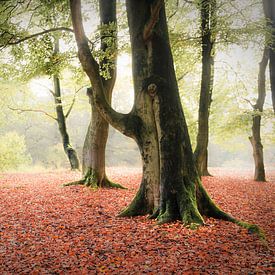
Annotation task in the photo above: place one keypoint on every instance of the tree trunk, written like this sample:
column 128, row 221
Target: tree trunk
column 61, row 120
column 208, row 25
column 93, row 162
column 255, row 139
column 269, row 11
column 170, row 187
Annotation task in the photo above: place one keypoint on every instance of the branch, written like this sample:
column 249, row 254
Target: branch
column 250, row 103
column 175, row 11
column 20, row 111
column 155, row 9
column 73, row 102
column 91, row 67
column 35, row 35
column 44, row 86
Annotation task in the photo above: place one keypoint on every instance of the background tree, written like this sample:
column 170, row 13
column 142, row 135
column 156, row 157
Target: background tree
column 38, row 56
column 255, row 139
column 208, row 37
column 269, row 10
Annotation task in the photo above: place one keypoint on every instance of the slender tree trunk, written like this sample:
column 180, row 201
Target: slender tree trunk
column 255, row 139
column 208, row 25
column 170, row 187
column 61, row 120
column 269, row 11
column 93, row 162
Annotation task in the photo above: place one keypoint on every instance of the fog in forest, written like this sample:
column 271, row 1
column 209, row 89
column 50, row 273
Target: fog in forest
column 29, row 133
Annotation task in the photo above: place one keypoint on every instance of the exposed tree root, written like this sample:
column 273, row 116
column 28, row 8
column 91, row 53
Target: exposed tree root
column 92, row 180
column 138, row 206
column 208, row 208
column 189, row 211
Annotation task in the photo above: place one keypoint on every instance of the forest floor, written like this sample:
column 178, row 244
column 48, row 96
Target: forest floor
column 49, row 229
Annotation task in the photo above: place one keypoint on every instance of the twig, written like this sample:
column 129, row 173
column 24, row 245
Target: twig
column 32, row 110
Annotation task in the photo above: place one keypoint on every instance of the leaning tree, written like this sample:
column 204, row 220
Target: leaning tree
column 171, row 188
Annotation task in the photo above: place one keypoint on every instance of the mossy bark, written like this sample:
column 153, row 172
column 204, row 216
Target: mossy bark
column 170, row 188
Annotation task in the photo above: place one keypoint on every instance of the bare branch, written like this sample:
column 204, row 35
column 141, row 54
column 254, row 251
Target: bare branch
column 91, row 67
column 20, row 111
column 248, row 101
column 18, row 41
column 73, row 101
column 47, row 88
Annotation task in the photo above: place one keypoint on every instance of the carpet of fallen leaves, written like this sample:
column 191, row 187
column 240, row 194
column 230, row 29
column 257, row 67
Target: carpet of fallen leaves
column 49, row 229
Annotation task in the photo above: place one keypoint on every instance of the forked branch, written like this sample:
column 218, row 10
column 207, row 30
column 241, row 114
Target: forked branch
column 91, row 67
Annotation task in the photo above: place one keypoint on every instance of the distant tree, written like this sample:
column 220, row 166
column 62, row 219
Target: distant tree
column 255, row 139
column 268, row 54
column 171, row 188
column 208, row 38
column 42, row 56
column 269, row 10
column 13, row 153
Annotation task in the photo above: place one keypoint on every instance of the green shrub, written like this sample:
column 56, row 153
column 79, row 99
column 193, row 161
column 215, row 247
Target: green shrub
column 13, row 153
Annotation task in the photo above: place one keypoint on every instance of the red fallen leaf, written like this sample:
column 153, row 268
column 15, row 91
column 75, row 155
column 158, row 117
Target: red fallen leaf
column 45, row 228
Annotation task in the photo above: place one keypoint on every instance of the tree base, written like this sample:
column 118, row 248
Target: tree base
column 93, row 181
column 189, row 213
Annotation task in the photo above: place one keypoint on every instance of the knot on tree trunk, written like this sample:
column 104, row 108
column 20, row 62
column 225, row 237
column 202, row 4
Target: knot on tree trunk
column 152, row 89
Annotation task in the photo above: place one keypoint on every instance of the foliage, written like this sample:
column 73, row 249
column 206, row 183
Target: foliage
column 13, row 151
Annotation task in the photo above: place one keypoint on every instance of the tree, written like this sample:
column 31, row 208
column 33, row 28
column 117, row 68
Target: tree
column 269, row 10
column 61, row 117
column 93, row 164
column 171, row 188
column 41, row 57
column 208, row 33
column 255, row 139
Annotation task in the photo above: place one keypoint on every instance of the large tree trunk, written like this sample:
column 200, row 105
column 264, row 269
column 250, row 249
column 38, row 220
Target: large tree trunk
column 61, row 120
column 255, row 139
column 208, row 28
column 170, row 188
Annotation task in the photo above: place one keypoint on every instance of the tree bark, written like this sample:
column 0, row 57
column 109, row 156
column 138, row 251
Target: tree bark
column 255, row 139
column 93, row 162
column 208, row 29
column 61, row 120
column 170, row 187
column 269, row 11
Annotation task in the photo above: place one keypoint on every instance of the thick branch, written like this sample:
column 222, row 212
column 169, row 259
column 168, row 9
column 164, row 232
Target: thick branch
column 91, row 67
column 32, row 110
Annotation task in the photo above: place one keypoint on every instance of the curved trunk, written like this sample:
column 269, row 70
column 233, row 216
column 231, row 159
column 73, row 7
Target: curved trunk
column 208, row 25
column 255, row 139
